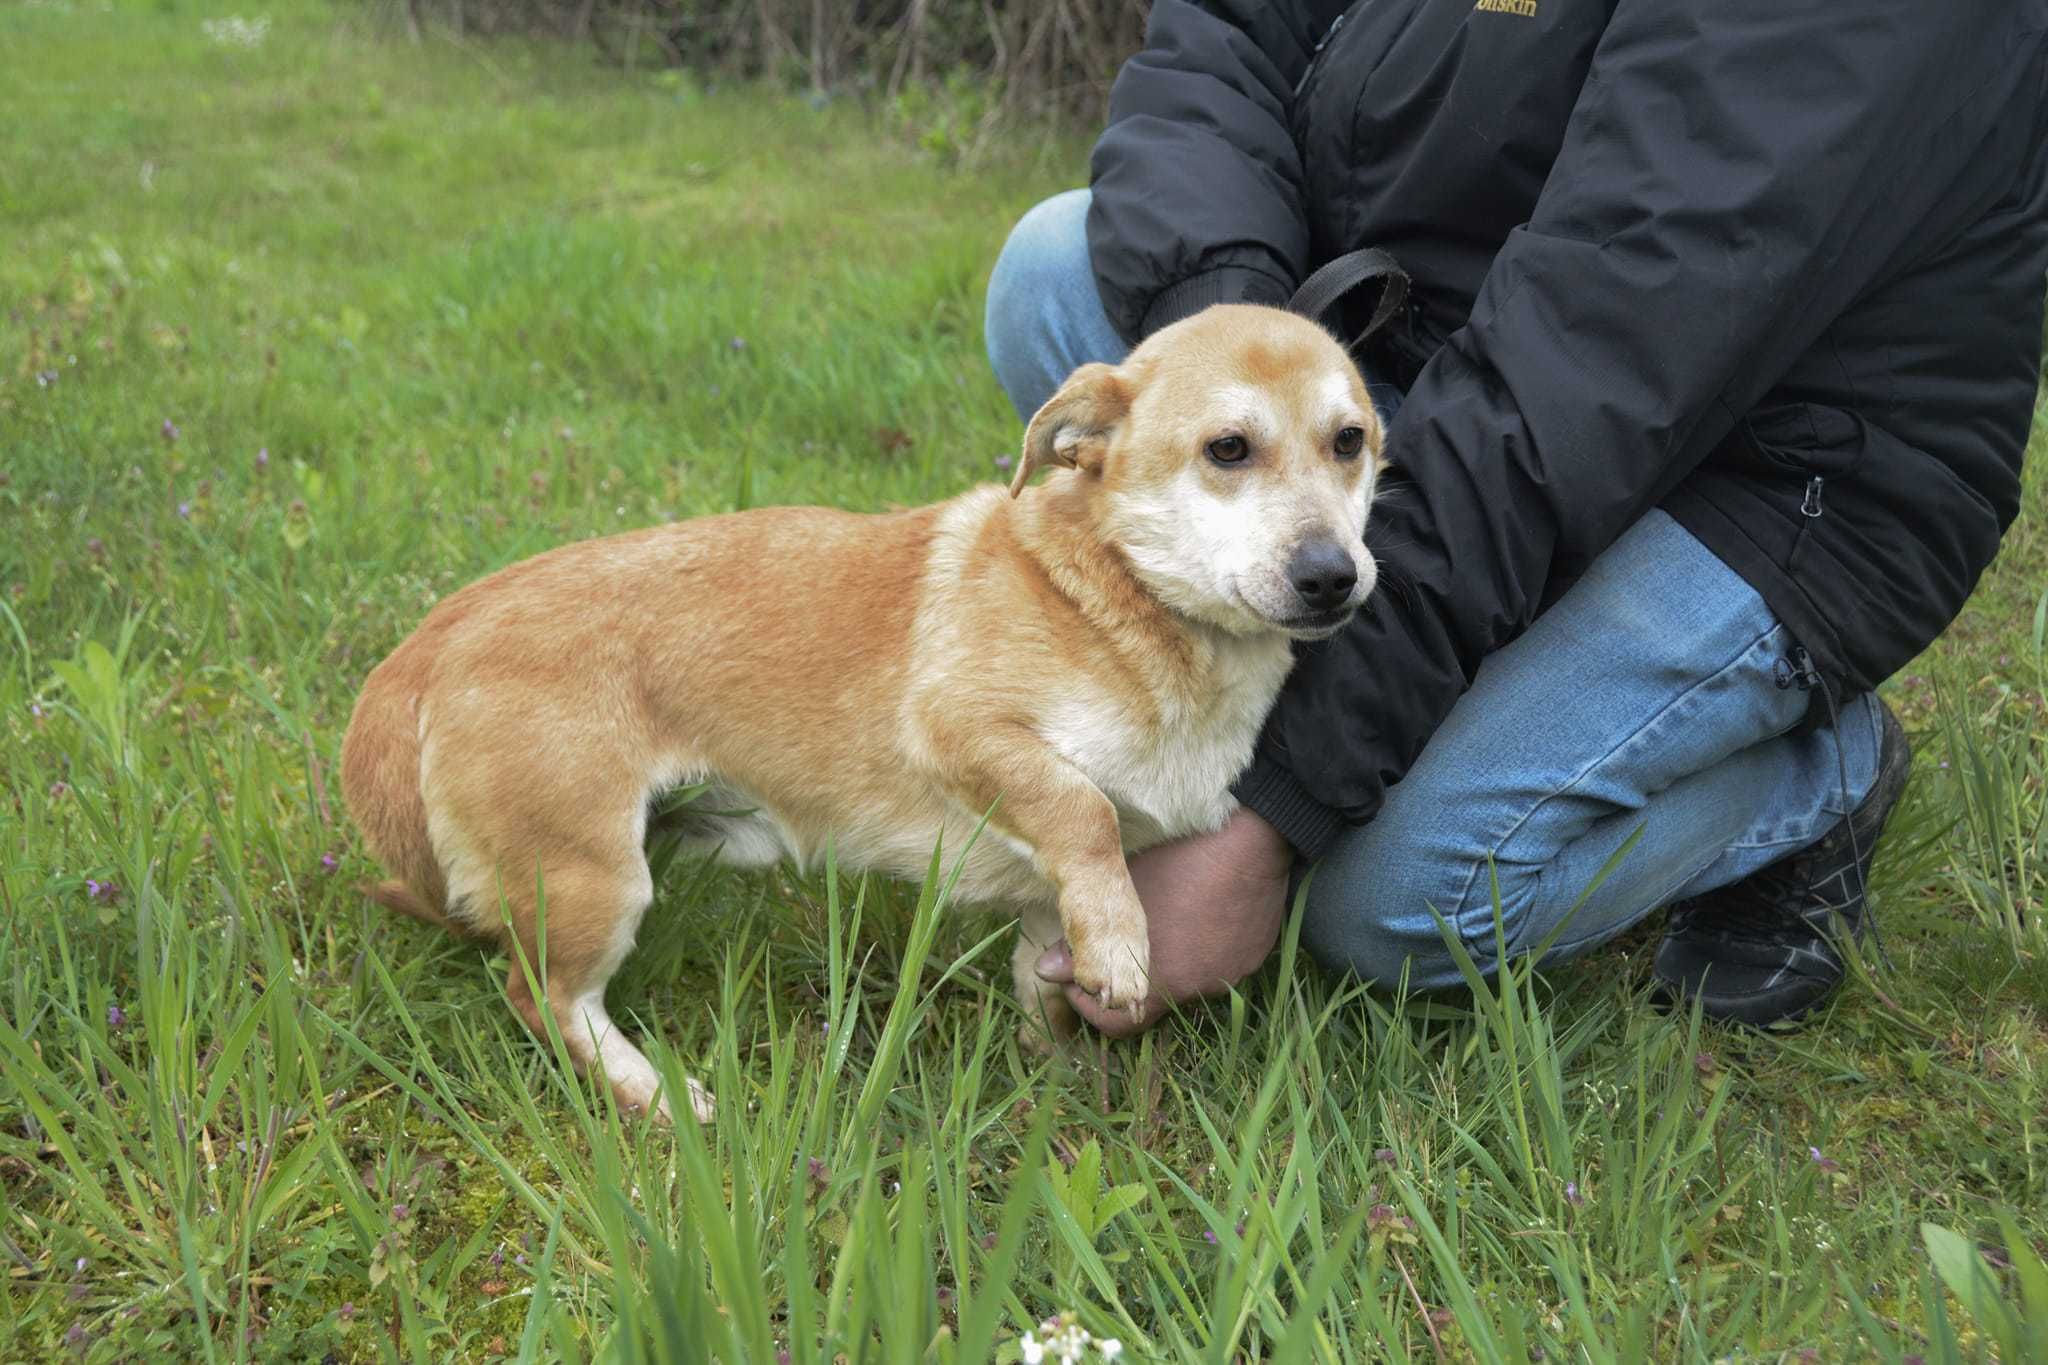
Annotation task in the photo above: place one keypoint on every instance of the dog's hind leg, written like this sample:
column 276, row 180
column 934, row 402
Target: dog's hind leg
column 593, row 910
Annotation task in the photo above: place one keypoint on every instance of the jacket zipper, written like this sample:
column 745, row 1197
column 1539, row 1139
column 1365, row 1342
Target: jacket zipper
column 1315, row 54
column 1809, row 513
column 1810, row 507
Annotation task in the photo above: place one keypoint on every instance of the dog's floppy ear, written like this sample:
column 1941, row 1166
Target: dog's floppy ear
column 1074, row 426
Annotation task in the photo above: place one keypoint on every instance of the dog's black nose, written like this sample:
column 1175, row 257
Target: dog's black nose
column 1323, row 574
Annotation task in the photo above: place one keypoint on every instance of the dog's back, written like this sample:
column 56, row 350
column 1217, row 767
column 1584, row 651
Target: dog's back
column 753, row 619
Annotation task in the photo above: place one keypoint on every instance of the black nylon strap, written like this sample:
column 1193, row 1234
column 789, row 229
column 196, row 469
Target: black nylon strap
column 1339, row 277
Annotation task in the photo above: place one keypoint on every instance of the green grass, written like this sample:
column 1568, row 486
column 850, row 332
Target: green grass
column 416, row 313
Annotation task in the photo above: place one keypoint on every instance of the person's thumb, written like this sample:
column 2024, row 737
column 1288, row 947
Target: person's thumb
column 1056, row 963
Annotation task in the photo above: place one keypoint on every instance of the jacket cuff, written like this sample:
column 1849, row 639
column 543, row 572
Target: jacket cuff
column 1271, row 792
column 1225, row 284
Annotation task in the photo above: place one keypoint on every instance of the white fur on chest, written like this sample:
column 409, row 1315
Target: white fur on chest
column 1172, row 778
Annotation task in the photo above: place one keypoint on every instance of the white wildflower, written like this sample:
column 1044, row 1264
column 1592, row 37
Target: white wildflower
column 1063, row 1340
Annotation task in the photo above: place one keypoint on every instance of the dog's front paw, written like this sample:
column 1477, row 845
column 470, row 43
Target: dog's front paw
column 1116, row 968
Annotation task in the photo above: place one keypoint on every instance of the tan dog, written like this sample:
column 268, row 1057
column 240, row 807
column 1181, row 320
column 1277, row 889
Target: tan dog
column 1092, row 658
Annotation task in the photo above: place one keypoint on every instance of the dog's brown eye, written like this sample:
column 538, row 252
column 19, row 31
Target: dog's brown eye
column 1228, row 449
column 1350, row 441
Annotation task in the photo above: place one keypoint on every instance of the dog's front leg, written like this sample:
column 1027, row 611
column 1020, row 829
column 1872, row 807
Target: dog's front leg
column 1047, row 804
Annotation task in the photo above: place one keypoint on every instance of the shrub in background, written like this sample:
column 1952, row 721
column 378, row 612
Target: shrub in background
column 1053, row 59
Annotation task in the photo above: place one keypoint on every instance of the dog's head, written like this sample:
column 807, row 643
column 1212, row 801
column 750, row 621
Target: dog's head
column 1233, row 455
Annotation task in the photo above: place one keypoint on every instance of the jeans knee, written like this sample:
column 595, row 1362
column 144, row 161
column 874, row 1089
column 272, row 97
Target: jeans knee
column 1383, row 927
column 1046, row 248
column 1362, row 936
column 1042, row 303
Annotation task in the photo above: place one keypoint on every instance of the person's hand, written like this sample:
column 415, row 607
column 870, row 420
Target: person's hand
column 1214, row 904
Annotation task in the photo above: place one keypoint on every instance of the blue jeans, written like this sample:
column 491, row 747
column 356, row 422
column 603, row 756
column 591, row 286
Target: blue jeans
column 1647, row 699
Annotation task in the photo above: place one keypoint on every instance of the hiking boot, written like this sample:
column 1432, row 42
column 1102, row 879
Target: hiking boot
column 1765, row 950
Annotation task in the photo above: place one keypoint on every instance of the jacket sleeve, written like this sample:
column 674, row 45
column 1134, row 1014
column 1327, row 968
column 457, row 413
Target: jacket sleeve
column 1197, row 192
column 1734, row 174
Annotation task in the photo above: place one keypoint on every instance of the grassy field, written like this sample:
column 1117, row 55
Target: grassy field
column 295, row 338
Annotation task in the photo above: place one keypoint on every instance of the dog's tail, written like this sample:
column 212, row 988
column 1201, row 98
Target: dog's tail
column 380, row 777
column 394, row 895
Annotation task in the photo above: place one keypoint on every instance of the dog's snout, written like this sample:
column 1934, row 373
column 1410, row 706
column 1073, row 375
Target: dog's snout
column 1323, row 574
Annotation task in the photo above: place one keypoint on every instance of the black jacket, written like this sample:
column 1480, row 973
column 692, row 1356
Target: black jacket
column 1773, row 265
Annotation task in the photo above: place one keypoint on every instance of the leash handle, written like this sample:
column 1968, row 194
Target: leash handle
column 1339, row 277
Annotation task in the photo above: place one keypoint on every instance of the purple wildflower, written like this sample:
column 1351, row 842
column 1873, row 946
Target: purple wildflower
column 102, row 891
column 399, row 1213
column 1826, row 1163
column 1003, row 463
column 738, row 343
column 170, row 432
column 1384, row 1156
column 77, row 1338
column 263, row 458
column 328, row 862
column 348, row 1310
column 45, row 378
column 1572, row 1195
column 59, row 790
column 185, row 511
column 1209, row 1236
column 35, row 710
column 116, row 1017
